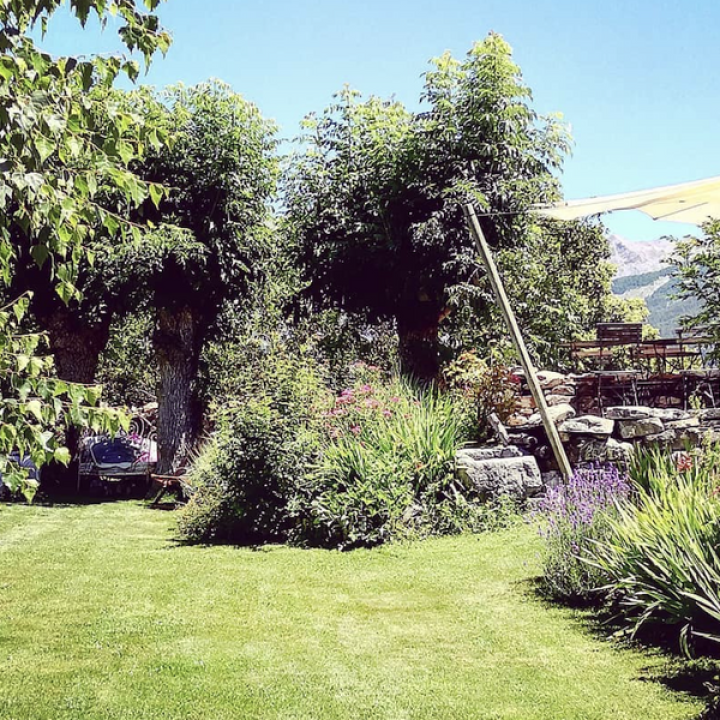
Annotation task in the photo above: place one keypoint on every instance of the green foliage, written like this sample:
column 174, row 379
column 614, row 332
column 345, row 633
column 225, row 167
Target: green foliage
column 696, row 265
column 287, row 461
column 558, row 279
column 661, row 554
column 376, row 198
column 388, row 470
column 128, row 367
column 212, row 226
column 247, row 476
column 487, row 388
column 58, row 170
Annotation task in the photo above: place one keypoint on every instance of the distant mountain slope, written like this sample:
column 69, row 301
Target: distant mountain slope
column 638, row 258
column 642, row 274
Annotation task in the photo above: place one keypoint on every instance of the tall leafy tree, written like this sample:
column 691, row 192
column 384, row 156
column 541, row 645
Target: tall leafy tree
column 57, row 172
column 376, row 199
column 696, row 265
column 212, row 233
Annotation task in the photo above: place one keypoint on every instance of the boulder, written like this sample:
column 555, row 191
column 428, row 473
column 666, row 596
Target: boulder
column 525, row 401
column 587, row 425
column 557, row 413
column 523, row 439
column 586, row 450
column 683, row 424
column 628, row 412
column 619, row 452
column 499, row 429
column 566, row 389
column 535, row 420
column 488, row 452
column 549, row 379
column 560, row 413
column 516, row 477
column 517, row 421
column 710, row 414
column 670, row 414
column 551, row 479
column 666, row 437
column 640, row 428
column 554, row 399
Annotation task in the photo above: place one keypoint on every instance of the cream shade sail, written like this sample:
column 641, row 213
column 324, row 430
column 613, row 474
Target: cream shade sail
column 693, row 202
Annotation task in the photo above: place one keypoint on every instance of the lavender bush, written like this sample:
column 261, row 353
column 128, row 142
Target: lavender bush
column 571, row 516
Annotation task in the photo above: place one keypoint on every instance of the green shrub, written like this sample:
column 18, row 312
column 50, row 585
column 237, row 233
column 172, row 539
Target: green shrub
column 248, row 475
column 485, row 388
column 388, row 468
column 661, row 553
column 288, row 461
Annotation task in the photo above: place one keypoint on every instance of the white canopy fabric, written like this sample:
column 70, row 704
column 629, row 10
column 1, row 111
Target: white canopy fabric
column 693, row 202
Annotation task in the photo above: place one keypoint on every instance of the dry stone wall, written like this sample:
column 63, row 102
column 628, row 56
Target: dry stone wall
column 596, row 437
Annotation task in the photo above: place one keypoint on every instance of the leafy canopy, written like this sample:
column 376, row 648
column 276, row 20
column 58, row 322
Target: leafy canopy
column 58, row 170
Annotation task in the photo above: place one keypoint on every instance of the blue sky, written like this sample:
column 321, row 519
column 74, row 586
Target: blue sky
column 637, row 80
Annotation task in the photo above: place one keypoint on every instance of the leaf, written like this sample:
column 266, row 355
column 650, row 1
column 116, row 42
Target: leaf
column 40, row 254
column 156, row 194
column 125, row 151
column 62, row 455
column 34, row 407
column 44, row 147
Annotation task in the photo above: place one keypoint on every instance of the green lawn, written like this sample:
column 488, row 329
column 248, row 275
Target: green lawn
column 103, row 616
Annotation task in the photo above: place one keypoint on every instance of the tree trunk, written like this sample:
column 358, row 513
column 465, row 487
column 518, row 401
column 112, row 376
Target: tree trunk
column 176, row 342
column 76, row 345
column 419, row 346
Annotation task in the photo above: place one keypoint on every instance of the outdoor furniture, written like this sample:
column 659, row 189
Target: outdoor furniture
column 128, row 454
column 610, row 337
column 169, row 483
column 668, row 352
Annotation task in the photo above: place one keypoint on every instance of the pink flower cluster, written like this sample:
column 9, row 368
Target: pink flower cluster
column 356, row 408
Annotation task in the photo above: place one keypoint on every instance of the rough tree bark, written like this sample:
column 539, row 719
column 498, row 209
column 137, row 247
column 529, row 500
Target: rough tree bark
column 76, row 345
column 176, row 341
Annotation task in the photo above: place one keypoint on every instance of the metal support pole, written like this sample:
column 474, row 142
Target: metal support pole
column 509, row 315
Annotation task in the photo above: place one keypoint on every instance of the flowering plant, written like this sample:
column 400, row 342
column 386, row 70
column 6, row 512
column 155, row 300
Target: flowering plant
column 572, row 517
column 389, row 456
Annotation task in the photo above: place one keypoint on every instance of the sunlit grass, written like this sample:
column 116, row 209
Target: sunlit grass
column 104, row 616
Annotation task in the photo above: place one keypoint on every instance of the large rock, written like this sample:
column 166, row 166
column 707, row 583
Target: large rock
column 488, row 452
column 524, row 439
column 551, row 479
column 516, row 477
column 710, row 414
column 591, row 450
column 682, row 424
column 640, row 428
column 557, row 413
column 554, row 399
column 628, row 412
column 566, row 389
column 587, row 425
column 549, row 379
column 517, row 421
column 670, row 414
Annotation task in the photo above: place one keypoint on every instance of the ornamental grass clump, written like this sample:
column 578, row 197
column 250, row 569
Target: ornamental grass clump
column 572, row 517
column 387, row 470
column 661, row 552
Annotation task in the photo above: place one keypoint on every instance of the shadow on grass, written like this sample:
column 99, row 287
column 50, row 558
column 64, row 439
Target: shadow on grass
column 698, row 677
